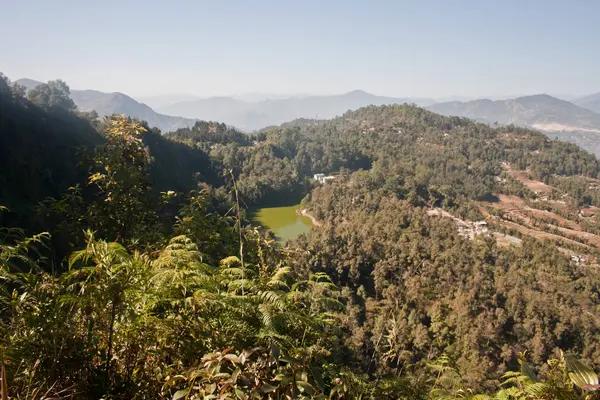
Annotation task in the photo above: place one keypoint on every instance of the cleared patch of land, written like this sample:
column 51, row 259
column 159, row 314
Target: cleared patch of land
column 535, row 186
column 510, row 218
column 556, row 127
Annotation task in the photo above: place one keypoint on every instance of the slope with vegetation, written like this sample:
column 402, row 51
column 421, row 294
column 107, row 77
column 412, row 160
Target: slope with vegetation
column 106, row 104
column 137, row 291
column 43, row 136
column 557, row 118
column 528, row 110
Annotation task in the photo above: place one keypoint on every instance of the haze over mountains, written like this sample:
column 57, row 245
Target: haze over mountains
column 119, row 103
column 166, row 100
column 252, row 115
column 159, row 101
column 577, row 121
column 538, row 111
column 248, row 112
column 591, row 102
column 554, row 117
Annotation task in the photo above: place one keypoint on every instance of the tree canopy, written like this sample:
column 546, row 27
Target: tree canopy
column 129, row 269
column 52, row 94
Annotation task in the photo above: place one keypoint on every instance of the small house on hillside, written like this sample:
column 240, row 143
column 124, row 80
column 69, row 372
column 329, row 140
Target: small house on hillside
column 480, row 227
column 578, row 259
column 322, row 178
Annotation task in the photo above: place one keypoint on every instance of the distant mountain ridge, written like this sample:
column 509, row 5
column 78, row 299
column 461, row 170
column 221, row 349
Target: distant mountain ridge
column 555, row 117
column 247, row 112
column 591, row 102
column 119, row 103
column 577, row 121
column 527, row 110
column 256, row 115
column 165, row 100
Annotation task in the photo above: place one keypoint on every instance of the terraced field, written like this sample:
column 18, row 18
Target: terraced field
column 548, row 216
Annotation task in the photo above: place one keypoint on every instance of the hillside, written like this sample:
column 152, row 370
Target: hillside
column 421, row 155
column 555, row 117
column 300, row 200
column 591, row 102
column 38, row 152
column 41, row 151
column 442, row 244
column 253, row 115
column 119, row 103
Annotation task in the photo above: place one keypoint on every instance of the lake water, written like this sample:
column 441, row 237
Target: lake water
column 282, row 221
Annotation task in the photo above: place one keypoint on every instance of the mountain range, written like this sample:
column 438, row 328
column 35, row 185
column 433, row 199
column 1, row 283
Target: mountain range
column 555, row 117
column 538, row 111
column 577, row 121
column 119, row 103
column 591, row 102
column 164, row 100
column 253, row 115
column 246, row 112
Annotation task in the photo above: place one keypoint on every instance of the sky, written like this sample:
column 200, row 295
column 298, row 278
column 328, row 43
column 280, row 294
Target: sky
column 424, row 48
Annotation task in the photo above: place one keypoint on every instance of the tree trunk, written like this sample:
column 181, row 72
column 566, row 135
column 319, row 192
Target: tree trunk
column 4, row 383
column 113, row 315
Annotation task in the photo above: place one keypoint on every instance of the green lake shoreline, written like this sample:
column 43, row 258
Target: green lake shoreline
column 283, row 221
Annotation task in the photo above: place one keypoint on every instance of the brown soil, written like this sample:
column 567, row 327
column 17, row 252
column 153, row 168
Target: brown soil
column 304, row 212
column 531, row 221
column 543, row 235
column 536, row 186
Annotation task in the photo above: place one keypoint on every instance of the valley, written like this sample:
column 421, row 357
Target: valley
column 277, row 200
column 576, row 122
column 438, row 238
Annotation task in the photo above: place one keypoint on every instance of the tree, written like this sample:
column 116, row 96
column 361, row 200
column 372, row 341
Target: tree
column 53, row 94
column 117, row 201
column 40, row 95
column 60, row 95
column 19, row 92
column 4, row 84
column 120, row 172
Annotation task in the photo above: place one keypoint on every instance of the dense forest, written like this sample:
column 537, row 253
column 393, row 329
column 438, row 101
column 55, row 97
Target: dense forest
column 130, row 269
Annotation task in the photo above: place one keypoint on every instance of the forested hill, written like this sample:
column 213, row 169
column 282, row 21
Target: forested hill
column 118, row 103
column 38, row 150
column 448, row 254
column 556, row 118
column 456, row 155
column 42, row 145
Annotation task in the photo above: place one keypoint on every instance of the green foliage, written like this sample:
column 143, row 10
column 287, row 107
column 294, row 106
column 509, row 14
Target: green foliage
column 557, row 383
column 170, row 294
column 206, row 134
column 38, row 156
column 120, row 172
column 256, row 374
column 418, row 289
column 117, row 201
column 53, row 94
column 122, row 315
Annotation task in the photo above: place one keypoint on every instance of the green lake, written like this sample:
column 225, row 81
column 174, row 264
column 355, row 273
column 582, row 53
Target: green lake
column 283, row 221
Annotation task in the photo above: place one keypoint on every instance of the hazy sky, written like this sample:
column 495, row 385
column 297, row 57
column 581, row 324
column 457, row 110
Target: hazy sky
column 399, row 48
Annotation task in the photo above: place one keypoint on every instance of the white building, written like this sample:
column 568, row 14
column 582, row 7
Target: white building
column 322, row 178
